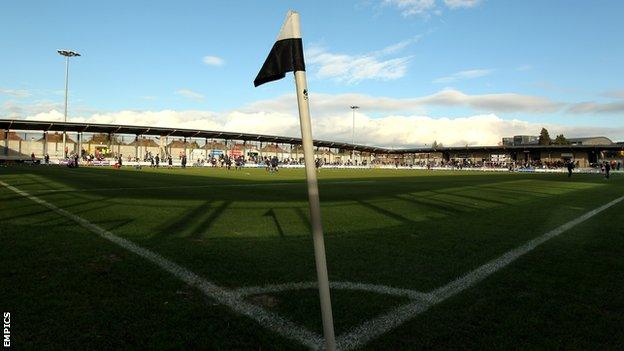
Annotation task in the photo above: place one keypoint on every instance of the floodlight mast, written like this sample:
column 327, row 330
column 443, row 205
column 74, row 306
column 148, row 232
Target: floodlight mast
column 67, row 54
column 353, row 108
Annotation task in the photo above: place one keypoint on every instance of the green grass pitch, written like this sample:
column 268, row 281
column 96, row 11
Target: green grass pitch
column 67, row 288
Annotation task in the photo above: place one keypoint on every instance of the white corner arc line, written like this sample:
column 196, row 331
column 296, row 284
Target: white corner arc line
column 378, row 326
column 222, row 295
column 379, row 289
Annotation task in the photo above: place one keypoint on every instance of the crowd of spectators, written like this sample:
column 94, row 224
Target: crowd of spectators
column 510, row 165
column 240, row 161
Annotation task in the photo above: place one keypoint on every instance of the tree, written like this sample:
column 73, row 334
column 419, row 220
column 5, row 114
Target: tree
column 544, row 138
column 561, row 140
column 436, row 145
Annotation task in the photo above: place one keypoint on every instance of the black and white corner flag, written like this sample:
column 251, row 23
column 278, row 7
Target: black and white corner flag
column 285, row 56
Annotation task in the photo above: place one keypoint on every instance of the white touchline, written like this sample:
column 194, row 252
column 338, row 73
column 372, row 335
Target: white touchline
column 222, row 295
column 375, row 327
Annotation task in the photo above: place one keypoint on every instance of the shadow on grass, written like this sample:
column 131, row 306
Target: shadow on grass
column 195, row 222
column 204, row 225
column 271, row 214
column 200, row 208
column 283, row 189
column 470, row 197
column 432, row 204
column 386, row 212
column 113, row 224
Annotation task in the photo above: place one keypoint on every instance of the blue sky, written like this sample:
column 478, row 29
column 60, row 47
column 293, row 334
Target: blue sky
column 556, row 63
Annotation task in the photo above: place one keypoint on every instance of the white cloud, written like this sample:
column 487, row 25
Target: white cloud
column 597, row 107
column 338, row 103
column 413, row 7
column 411, row 130
column 504, row 102
column 403, row 122
column 427, row 7
column 391, row 131
column 524, row 68
column 394, row 48
column 352, row 69
column 16, row 109
column 463, row 75
column 16, row 93
column 213, row 61
column 614, row 94
column 454, row 4
column 187, row 93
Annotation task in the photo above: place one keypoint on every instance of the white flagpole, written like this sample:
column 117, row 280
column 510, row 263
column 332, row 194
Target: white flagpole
column 313, row 198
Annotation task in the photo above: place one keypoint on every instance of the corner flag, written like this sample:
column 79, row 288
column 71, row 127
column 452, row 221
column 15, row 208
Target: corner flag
column 287, row 56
